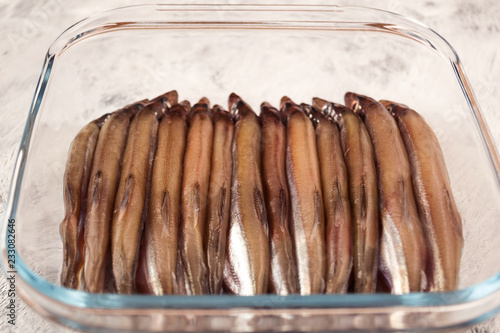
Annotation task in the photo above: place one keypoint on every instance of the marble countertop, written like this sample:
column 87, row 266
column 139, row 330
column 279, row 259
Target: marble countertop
column 29, row 27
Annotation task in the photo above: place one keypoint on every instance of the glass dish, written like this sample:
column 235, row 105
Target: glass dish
column 261, row 52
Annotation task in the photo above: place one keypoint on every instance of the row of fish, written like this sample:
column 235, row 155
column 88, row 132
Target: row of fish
column 162, row 197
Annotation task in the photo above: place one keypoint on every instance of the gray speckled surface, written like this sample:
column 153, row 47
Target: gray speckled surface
column 28, row 28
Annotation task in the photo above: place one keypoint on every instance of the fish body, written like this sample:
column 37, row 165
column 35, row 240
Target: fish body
column 76, row 180
column 437, row 208
column 103, row 184
column 131, row 202
column 363, row 193
column 402, row 249
column 246, row 270
column 194, row 193
column 158, row 254
column 219, row 198
column 283, row 269
column 306, row 200
column 335, row 189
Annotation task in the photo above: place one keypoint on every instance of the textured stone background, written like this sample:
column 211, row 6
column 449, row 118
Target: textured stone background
column 27, row 28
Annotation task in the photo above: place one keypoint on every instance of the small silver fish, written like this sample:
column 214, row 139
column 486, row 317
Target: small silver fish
column 402, row 249
column 436, row 205
column 246, row 270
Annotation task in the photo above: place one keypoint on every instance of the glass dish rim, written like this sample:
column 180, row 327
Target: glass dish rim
column 111, row 301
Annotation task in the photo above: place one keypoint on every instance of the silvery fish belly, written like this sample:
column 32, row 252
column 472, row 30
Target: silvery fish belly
column 304, row 181
column 246, row 270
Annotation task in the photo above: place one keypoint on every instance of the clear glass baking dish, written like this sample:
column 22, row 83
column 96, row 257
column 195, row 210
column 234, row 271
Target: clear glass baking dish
column 261, row 52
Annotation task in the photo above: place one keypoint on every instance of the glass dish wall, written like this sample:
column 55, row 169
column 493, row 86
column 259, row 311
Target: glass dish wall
column 261, row 53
